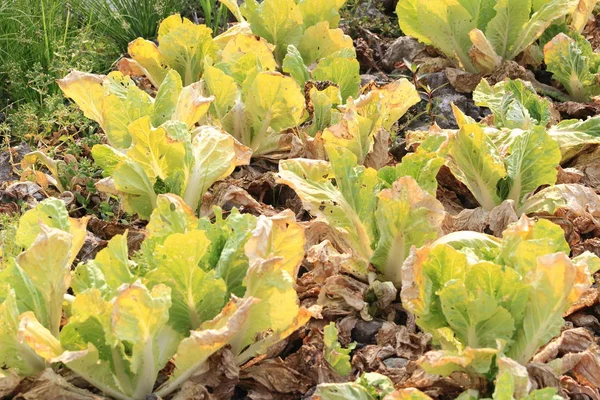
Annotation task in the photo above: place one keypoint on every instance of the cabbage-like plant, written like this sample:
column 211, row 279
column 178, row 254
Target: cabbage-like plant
column 167, row 159
column 481, row 297
column 126, row 320
column 480, row 34
column 574, row 64
column 376, row 221
column 115, row 101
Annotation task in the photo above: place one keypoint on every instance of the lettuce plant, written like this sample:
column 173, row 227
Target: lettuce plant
column 377, row 225
column 515, row 104
column 574, row 64
column 34, row 283
column 360, row 120
column 369, row 386
column 512, row 382
column 257, row 113
column 302, row 24
column 336, row 356
column 182, row 46
column 114, row 102
column 495, row 297
column 499, row 165
column 340, row 67
column 480, row 35
column 167, row 159
column 125, row 320
column 298, row 24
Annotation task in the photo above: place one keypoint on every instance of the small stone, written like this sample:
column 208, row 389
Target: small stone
column 396, row 362
column 365, row 79
column 365, row 331
column 403, row 48
column 9, row 157
column 370, row 11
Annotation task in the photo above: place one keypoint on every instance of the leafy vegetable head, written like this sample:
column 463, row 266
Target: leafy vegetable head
column 478, row 303
column 514, row 103
column 363, row 118
column 574, row 64
column 115, row 102
column 336, row 356
column 288, row 22
column 377, row 225
column 127, row 320
column 259, row 112
column 479, row 34
column 527, row 161
column 182, row 46
column 167, row 160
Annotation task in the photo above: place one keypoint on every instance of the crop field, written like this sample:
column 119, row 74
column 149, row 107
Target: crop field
column 300, row 199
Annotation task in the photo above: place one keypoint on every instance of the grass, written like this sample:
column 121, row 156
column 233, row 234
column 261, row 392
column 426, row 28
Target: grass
column 41, row 41
column 125, row 20
column 8, row 229
column 215, row 14
column 31, row 34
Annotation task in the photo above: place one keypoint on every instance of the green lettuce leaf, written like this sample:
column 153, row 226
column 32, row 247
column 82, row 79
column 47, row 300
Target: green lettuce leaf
column 315, row 11
column 341, row 69
column 293, row 64
column 555, row 283
column 223, row 87
column 574, row 64
column 182, row 46
column 352, row 132
column 533, row 161
column 194, row 351
column 336, row 356
column 475, row 161
column 422, row 165
column 215, row 154
column 226, row 254
column 269, row 104
column 572, row 135
column 330, row 41
column 406, row 216
column 524, row 241
column 479, row 34
column 323, row 105
column 368, row 386
column 444, row 24
column 514, row 103
column 108, row 271
column 278, row 21
column 197, row 295
column 386, row 105
column 16, row 354
column 113, row 101
column 47, row 264
column 244, row 56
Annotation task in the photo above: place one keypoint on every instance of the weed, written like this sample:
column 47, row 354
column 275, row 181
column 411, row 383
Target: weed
column 126, row 20
column 215, row 14
column 8, row 230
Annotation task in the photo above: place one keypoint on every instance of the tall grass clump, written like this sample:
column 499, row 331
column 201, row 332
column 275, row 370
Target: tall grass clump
column 125, row 20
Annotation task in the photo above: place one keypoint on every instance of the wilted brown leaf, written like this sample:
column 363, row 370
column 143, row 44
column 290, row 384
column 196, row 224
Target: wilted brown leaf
column 50, row 385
